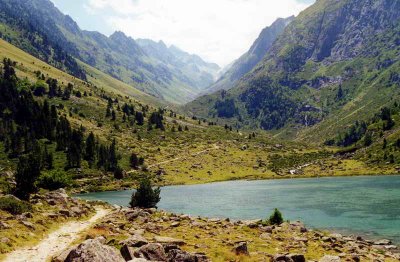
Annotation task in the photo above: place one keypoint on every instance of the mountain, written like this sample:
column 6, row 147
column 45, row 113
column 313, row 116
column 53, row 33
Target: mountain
column 194, row 71
column 336, row 63
column 39, row 28
column 251, row 58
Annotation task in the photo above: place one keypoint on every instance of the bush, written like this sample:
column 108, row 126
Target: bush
column 54, row 180
column 145, row 196
column 118, row 173
column 276, row 218
column 14, row 205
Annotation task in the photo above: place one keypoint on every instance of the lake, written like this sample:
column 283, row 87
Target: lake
column 368, row 206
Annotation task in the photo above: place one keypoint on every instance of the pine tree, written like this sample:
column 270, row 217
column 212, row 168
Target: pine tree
column 134, row 161
column 90, row 149
column 28, row 171
column 145, row 196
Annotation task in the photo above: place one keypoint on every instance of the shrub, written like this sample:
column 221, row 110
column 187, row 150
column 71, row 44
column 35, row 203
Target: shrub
column 14, row 205
column 54, row 180
column 145, row 196
column 276, row 218
column 118, row 173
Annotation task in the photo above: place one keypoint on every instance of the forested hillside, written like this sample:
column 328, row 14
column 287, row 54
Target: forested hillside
column 39, row 28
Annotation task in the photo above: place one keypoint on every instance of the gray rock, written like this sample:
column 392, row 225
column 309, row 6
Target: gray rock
column 94, row 251
column 152, row 251
column 128, row 253
column 4, row 225
column 177, row 255
column 288, row 258
column 57, row 197
column 241, row 249
column 28, row 224
column 383, row 242
column 329, row 258
column 169, row 240
column 134, row 241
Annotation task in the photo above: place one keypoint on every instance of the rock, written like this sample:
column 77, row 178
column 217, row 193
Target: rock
column 383, row 242
column 390, row 247
column 65, row 212
column 152, row 251
column 329, row 258
column 77, row 211
column 175, row 224
column 265, row 236
column 58, row 196
column 62, row 256
column 288, row 258
column 127, row 252
column 135, row 259
column 252, row 223
column 169, row 240
column 94, row 251
column 5, row 240
column 28, row 224
column 177, row 255
column 134, row 241
column 4, row 225
column 267, row 229
column 241, row 249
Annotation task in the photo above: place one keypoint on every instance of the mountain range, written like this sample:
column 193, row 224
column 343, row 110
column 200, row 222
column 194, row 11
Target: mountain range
column 39, row 28
column 335, row 63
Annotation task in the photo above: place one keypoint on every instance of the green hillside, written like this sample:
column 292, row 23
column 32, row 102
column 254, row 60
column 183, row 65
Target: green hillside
column 333, row 64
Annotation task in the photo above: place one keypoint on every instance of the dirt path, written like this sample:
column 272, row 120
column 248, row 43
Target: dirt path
column 56, row 241
column 214, row 147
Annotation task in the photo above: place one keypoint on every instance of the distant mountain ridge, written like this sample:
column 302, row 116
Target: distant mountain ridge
column 251, row 58
column 38, row 26
column 335, row 63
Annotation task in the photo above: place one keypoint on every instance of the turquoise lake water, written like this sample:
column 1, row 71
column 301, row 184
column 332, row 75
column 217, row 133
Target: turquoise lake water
column 368, row 206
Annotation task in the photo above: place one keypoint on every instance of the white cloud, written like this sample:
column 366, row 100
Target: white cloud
column 218, row 30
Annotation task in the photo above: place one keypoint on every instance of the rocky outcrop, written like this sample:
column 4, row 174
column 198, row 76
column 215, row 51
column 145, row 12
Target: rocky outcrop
column 94, row 251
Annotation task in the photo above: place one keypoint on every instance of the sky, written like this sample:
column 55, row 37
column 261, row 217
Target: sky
column 219, row 31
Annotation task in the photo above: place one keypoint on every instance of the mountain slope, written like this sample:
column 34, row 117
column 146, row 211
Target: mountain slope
column 193, row 70
column 38, row 27
column 337, row 58
column 251, row 58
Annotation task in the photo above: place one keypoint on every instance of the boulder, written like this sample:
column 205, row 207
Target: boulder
column 62, row 256
column 329, row 258
column 135, row 259
column 152, row 251
column 169, row 240
column 4, row 225
column 177, row 255
column 94, row 251
column 383, row 242
column 127, row 252
column 134, row 241
column 241, row 249
column 58, row 196
column 288, row 258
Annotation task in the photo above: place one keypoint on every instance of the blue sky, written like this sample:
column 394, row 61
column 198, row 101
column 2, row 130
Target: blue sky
column 219, row 31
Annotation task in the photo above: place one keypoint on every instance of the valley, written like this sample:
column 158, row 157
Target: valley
column 307, row 121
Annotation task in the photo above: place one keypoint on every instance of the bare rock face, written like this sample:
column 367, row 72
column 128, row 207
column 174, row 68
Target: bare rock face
column 152, row 251
column 59, row 196
column 94, row 251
